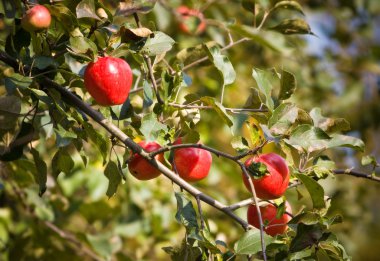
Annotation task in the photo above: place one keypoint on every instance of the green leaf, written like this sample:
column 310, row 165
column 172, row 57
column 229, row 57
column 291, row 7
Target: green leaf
column 254, row 132
column 329, row 125
column 323, row 167
column 62, row 162
column 220, row 110
column 287, row 85
column 65, row 17
column 138, row 6
column 186, row 214
column 262, row 79
column 293, row 26
column 41, row 171
column 291, row 5
column 306, row 236
column 250, row 242
column 151, row 127
column 86, row 9
column 271, row 40
column 191, row 54
column 369, row 160
column 284, row 117
column 83, row 45
column 148, row 94
column 338, row 140
column 114, row 178
column 42, row 209
column 306, row 138
column 74, row 65
column 307, row 218
column 15, row 81
column 191, row 136
column 249, row 5
column 105, row 244
column 158, row 44
column 42, row 62
column 10, row 108
column 65, row 133
column 315, row 190
column 240, row 144
column 306, row 254
column 222, row 63
column 98, row 139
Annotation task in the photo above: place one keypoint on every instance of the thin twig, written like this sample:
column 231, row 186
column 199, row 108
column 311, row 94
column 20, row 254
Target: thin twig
column 256, row 203
column 70, row 237
column 203, row 59
column 357, row 174
column 148, row 62
column 201, row 146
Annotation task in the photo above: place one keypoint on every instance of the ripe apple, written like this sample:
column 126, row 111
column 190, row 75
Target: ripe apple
column 36, row 19
column 192, row 164
column 273, row 226
column 140, row 168
column 192, row 21
column 108, row 80
column 275, row 182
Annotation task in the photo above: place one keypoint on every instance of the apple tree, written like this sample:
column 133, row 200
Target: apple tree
column 149, row 130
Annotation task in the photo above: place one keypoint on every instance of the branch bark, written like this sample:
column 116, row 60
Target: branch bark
column 357, row 174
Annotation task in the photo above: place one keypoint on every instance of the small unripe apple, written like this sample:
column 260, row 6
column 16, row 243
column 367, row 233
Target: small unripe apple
column 273, row 226
column 192, row 164
column 192, row 21
column 36, row 19
column 275, row 182
column 108, row 80
column 140, row 168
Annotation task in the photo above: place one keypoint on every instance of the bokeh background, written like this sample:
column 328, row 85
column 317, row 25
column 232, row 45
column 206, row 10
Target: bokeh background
column 337, row 70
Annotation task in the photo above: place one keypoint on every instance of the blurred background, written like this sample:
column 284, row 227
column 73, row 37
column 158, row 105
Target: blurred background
column 337, row 70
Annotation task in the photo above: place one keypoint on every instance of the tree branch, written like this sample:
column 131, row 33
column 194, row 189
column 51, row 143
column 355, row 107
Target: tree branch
column 357, row 174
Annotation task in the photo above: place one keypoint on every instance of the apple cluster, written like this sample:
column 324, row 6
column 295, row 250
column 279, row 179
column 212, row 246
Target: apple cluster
column 109, row 80
column 270, row 179
column 191, row 164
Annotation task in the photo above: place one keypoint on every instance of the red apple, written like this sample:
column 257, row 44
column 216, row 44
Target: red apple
column 36, row 19
column 108, row 80
column 192, row 164
column 140, row 168
column 191, row 21
column 275, row 182
column 273, row 226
